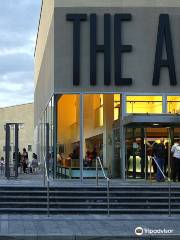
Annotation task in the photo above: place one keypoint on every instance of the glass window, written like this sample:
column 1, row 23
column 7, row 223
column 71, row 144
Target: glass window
column 101, row 141
column 173, row 104
column 68, row 136
column 93, row 133
column 116, row 106
column 144, row 104
column 98, row 109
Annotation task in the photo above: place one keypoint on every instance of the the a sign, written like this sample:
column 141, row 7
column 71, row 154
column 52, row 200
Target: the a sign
column 164, row 41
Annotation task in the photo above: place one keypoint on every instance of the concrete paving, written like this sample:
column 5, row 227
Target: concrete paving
column 38, row 180
column 78, row 227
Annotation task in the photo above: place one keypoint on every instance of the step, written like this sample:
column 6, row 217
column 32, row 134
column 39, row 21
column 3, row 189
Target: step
column 89, row 200
column 86, row 198
column 86, row 211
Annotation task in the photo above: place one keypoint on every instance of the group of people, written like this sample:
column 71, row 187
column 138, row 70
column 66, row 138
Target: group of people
column 160, row 157
column 23, row 162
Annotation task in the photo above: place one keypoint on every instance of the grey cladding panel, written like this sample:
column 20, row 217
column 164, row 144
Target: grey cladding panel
column 140, row 32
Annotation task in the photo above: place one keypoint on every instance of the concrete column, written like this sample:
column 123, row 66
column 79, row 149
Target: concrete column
column 55, row 132
column 122, row 137
column 81, row 136
column 164, row 103
column 108, row 118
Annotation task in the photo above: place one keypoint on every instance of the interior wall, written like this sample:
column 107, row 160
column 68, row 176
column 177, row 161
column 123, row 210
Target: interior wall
column 69, row 122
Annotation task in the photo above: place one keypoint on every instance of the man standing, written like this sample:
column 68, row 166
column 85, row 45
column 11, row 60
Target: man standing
column 159, row 157
column 176, row 161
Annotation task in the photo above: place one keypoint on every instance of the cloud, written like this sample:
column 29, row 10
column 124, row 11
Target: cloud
column 15, row 62
column 15, row 91
column 18, row 29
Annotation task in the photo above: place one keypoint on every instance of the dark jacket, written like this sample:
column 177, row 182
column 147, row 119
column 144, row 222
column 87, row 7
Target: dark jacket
column 159, row 150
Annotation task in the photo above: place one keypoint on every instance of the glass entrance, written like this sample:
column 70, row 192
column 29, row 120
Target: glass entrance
column 135, row 152
column 139, row 150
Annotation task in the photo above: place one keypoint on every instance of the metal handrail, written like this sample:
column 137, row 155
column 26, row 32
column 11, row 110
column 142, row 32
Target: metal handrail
column 169, row 186
column 48, row 183
column 98, row 160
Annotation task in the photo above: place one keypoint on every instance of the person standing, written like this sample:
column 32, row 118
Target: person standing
column 34, row 164
column 175, row 150
column 159, row 157
column 166, row 158
column 2, row 165
column 24, row 160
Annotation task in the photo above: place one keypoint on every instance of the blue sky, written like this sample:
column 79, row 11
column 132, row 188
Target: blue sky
column 18, row 29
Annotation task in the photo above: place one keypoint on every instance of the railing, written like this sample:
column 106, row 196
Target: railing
column 48, row 183
column 98, row 160
column 169, row 186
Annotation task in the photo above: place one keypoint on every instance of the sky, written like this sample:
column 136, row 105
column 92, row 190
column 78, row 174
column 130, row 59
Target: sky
column 18, row 30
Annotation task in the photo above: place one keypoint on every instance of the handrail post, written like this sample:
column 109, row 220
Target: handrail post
column 169, row 198
column 169, row 188
column 48, row 198
column 97, row 177
column 44, row 173
column 47, row 179
column 150, row 168
column 98, row 160
column 108, row 198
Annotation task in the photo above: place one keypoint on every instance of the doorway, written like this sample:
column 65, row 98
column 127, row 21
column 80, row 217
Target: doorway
column 139, row 163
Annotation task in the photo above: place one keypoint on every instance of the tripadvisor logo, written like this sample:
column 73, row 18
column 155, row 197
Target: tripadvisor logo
column 139, row 231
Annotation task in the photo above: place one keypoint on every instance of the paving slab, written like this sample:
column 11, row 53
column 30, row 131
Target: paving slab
column 78, row 227
column 16, row 227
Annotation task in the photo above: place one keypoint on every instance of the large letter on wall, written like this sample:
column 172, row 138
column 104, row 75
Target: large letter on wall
column 164, row 36
column 76, row 19
column 119, row 49
column 95, row 48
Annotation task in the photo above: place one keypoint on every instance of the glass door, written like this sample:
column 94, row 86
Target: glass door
column 135, row 153
column 155, row 135
column 139, row 151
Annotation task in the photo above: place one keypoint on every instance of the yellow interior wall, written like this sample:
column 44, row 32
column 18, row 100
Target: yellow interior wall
column 174, row 104
column 96, row 100
column 143, row 107
column 116, row 106
column 91, row 103
column 68, row 121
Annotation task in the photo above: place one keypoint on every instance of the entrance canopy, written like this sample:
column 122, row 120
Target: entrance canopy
column 153, row 120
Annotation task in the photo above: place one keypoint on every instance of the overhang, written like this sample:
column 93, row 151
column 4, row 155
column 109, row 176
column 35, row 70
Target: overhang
column 152, row 120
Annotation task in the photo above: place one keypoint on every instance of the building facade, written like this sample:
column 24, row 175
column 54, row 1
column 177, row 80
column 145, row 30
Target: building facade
column 24, row 115
column 107, row 84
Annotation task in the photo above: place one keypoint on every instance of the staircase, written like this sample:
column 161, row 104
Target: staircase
column 131, row 199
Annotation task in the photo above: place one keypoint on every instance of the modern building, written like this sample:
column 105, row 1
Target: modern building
column 107, row 76
column 24, row 115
